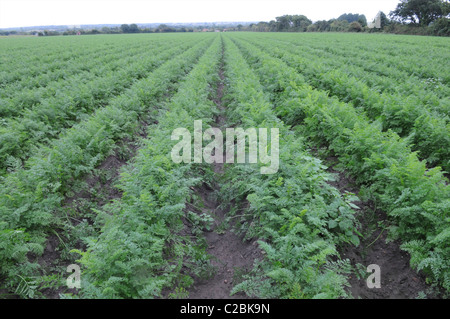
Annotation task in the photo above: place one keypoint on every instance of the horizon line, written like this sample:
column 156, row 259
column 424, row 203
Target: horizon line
column 137, row 23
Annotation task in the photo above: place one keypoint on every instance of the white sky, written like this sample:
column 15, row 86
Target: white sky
column 17, row 13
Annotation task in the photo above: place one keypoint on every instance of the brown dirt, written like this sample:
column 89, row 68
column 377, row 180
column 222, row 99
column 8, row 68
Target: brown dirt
column 231, row 255
column 398, row 279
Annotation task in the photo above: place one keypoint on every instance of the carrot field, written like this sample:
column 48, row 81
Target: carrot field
column 88, row 180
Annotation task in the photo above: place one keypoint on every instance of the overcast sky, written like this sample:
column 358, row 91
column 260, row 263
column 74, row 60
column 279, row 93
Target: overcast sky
column 17, row 13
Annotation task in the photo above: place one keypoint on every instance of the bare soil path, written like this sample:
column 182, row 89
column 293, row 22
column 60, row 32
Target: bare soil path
column 230, row 254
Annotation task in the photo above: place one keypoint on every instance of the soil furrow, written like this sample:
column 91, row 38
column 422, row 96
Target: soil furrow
column 230, row 255
column 398, row 279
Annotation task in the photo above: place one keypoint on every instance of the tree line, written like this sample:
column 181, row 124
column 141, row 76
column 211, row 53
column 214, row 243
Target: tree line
column 124, row 28
column 130, row 28
column 425, row 17
column 347, row 22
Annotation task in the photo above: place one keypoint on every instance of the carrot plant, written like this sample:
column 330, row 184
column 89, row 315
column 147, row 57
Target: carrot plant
column 141, row 250
column 299, row 218
column 31, row 198
column 414, row 196
column 428, row 131
column 72, row 102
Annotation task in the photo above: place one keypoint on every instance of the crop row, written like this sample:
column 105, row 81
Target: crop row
column 415, row 198
column 44, row 122
column 20, row 100
column 31, row 198
column 299, row 218
column 387, row 78
column 141, row 250
column 82, row 62
column 430, row 132
column 422, row 58
column 38, row 56
column 25, row 62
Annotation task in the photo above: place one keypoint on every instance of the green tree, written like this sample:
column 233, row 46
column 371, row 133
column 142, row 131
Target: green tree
column 272, row 25
column 133, row 28
column 354, row 17
column 421, row 12
column 283, row 23
column 362, row 20
column 300, row 22
column 355, row 26
column 339, row 25
column 441, row 27
column 165, row 28
column 323, row 25
column 384, row 19
column 125, row 28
